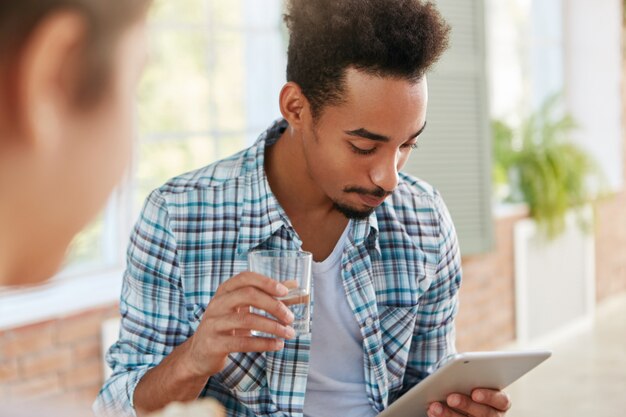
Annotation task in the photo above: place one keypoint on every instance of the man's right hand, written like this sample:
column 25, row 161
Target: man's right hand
column 227, row 323
column 225, row 328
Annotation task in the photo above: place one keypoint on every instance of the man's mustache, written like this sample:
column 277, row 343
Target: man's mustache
column 378, row 192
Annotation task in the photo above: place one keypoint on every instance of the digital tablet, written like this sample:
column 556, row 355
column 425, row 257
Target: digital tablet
column 463, row 373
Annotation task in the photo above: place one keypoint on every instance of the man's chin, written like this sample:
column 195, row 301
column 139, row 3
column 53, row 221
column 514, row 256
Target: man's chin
column 353, row 213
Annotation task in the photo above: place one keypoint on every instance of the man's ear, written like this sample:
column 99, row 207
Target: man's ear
column 294, row 106
column 48, row 72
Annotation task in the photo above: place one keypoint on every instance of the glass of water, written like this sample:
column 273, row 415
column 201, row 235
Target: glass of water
column 293, row 269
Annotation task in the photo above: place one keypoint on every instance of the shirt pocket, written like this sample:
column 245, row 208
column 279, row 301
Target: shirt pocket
column 397, row 327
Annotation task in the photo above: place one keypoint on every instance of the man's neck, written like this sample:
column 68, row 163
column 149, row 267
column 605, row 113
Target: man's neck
column 285, row 166
column 310, row 211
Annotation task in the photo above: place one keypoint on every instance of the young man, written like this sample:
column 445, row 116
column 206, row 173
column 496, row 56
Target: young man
column 68, row 70
column 324, row 179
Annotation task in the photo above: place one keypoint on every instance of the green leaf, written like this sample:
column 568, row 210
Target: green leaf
column 552, row 174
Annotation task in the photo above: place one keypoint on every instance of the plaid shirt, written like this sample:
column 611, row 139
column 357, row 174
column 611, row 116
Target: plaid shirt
column 400, row 270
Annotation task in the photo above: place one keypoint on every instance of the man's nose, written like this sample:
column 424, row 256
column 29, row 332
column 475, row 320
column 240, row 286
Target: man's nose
column 385, row 174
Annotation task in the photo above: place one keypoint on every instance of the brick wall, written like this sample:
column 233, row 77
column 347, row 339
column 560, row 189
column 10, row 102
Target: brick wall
column 486, row 317
column 611, row 246
column 57, row 359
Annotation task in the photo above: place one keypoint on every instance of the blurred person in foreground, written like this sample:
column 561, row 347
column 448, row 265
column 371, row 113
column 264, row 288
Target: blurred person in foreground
column 68, row 71
column 326, row 179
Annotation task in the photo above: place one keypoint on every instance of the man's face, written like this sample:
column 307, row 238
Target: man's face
column 354, row 150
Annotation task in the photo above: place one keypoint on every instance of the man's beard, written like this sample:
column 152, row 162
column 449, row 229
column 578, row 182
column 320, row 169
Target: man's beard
column 356, row 214
column 352, row 213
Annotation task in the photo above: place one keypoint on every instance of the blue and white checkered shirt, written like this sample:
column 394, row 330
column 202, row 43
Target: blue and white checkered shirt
column 401, row 269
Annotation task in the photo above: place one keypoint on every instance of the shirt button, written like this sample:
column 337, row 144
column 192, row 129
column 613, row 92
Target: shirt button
column 369, row 321
column 349, row 266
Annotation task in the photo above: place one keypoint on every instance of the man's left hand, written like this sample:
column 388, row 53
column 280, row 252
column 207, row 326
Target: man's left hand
column 482, row 403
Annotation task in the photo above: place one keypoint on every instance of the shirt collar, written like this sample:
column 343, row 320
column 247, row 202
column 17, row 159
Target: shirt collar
column 366, row 231
column 262, row 215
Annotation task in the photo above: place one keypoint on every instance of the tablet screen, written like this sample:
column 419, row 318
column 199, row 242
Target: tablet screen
column 462, row 374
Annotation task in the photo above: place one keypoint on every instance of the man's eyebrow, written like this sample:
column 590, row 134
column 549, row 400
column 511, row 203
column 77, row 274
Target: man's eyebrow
column 419, row 132
column 364, row 133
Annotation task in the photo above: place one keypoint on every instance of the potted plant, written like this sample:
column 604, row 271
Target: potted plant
column 540, row 166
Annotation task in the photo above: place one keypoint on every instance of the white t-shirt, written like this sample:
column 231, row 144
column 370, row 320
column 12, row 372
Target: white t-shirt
column 336, row 381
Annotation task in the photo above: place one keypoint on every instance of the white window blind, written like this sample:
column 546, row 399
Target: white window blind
column 455, row 150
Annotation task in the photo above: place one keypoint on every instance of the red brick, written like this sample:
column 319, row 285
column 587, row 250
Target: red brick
column 23, row 342
column 45, row 363
column 8, row 371
column 70, row 330
column 486, row 315
column 39, row 387
column 34, row 327
column 610, row 239
column 87, row 350
column 83, row 375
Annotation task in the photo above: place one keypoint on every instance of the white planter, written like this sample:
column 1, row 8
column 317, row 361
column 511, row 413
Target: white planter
column 554, row 280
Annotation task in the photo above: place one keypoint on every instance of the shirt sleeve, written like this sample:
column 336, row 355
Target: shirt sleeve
column 434, row 337
column 152, row 309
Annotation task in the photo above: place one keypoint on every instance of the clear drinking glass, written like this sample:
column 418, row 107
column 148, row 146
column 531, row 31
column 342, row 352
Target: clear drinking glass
column 293, row 269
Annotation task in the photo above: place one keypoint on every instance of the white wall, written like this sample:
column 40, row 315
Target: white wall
column 593, row 57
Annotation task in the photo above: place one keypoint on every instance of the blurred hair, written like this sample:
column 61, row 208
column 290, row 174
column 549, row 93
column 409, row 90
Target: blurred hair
column 388, row 38
column 105, row 21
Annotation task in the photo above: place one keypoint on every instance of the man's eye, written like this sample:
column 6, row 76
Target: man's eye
column 410, row 146
column 361, row 151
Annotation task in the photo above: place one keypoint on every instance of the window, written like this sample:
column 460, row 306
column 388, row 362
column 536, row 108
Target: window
column 209, row 90
column 525, row 56
column 207, row 73
column 538, row 48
